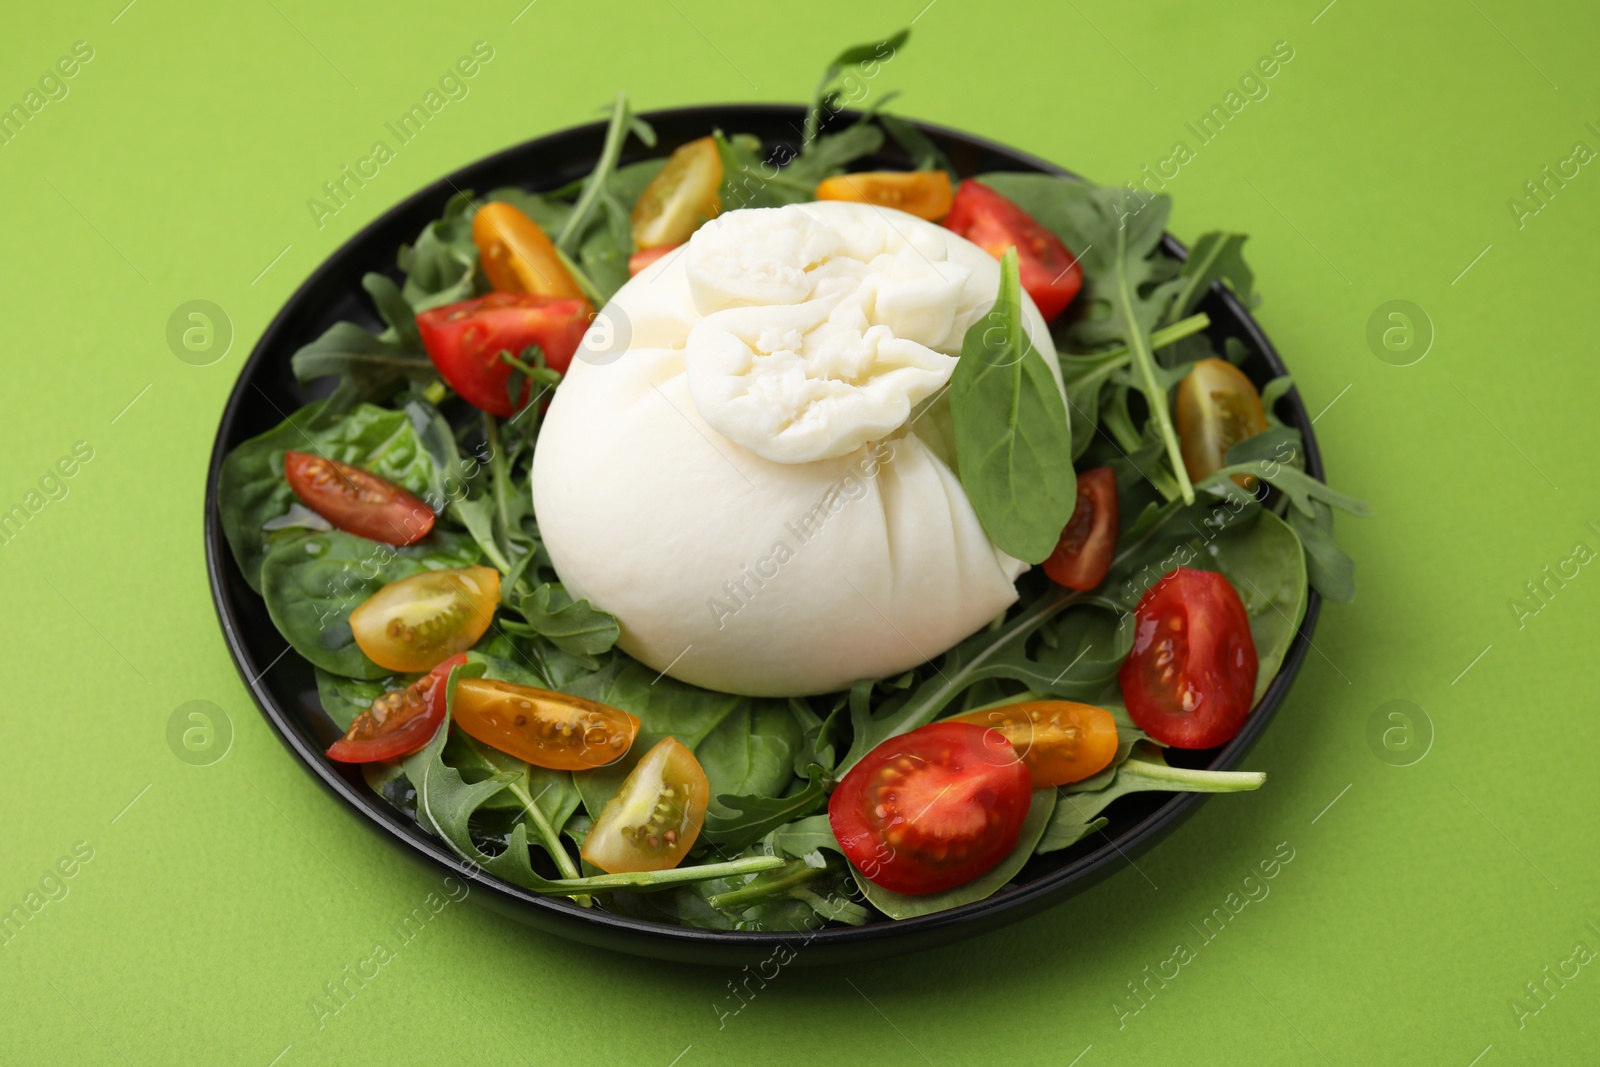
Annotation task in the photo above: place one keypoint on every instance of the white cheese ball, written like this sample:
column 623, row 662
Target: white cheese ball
column 748, row 462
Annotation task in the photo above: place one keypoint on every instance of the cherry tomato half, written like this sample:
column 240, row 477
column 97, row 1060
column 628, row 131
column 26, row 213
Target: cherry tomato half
column 931, row 809
column 681, row 196
column 413, row 624
column 923, row 193
column 517, row 256
column 554, row 730
column 1058, row 740
column 465, row 340
column 1049, row 272
column 653, row 821
column 642, row 259
column 357, row 501
column 1190, row 679
column 1083, row 555
column 1216, row 408
column 399, row 722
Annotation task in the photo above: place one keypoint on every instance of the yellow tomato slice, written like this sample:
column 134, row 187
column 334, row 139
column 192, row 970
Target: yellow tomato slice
column 517, row 256
column 1216, row 408
column 418, row 622
column 923, row 193
column 554, row 730
column 679, row 198
column 653, row 821
column 1059, row 741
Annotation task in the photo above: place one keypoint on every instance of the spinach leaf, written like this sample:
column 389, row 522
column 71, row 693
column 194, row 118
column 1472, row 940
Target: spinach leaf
column 571, row 625
column 751, row 752
column 663, row 705
column 446, row 802
column 1267, row 567
column 345, row 698
column 904, row 906
column 1129, row 285
column 251, row 489
column 737, row 822
column 1013, row 443
column 313, row 583
column 1077, row 814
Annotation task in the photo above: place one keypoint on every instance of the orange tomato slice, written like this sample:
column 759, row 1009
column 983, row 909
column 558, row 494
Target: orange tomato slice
column 1059, row 741
column 554, row 730
column 679, row 198
column 923, row 193
column 517, row 256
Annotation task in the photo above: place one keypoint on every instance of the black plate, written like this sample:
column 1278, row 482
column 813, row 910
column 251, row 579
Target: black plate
column 285, row 689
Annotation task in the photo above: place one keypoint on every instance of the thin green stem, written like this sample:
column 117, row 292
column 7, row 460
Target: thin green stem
column 550, row 839
column 673, row 876
column 434, row 393
column 1160, row 339
column 1193, row 781
column 590, row 290
column 751, row 894
column 616, row 133
column 1144, row 361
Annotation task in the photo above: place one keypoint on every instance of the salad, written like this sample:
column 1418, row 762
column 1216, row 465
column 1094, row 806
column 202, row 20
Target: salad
column 750, row 539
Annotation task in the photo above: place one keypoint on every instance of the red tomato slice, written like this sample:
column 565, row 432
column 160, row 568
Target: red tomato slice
column 1191, row 677
column 399, row 722
column 1083, row 555
column 357, row 501
column 646, row 256
column 1048, row 271
column 931, row 809
column 465, row 341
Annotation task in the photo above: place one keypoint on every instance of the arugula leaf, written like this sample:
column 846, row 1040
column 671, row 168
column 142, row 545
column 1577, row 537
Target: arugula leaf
column 957, row 670
column 372, row 367
column 752, row 817
column 311, row 585
column 446, row 802
column 1332, row 573
column 571, row 625
column 797, row 897
column 1013, row 443
column 623, row 121
column 855, row 56
column 908, row 906
column 1215, row 257
column 925, row 155
column 1077, row 814
column 831, row 153
column 441, row 267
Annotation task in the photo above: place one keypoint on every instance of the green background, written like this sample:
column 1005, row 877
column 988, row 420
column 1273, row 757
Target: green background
column 1378, row 168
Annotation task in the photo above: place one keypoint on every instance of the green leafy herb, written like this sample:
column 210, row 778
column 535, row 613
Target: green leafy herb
column 827, row 95
column 908, row 906
column 1013, row 444
column 572, row 625
column 751, row 817
column 1078, row 814
column 311, row 585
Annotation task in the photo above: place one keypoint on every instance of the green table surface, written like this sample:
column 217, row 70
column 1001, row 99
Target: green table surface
column 209, row 906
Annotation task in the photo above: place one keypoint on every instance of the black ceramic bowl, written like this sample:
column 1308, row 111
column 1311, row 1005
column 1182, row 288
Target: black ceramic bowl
column 284, row 687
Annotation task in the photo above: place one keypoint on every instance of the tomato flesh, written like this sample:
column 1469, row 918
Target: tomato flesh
column 923, row 193
column 682, row 195
column 415, row 623
column 357, row 501
column 1059, row 741
column 1216, row 408
column 1083, row 555
column 1049, row 272
column 400, row 722
column 465, row 340
column 931, row 809
column 643, row 258
column 554, row 730
column 656, row 816
column 1190, row 679
column 517, row 256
